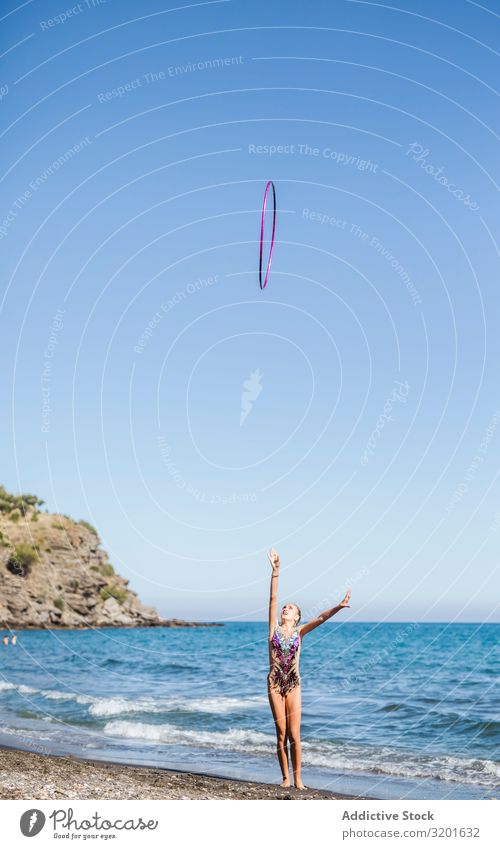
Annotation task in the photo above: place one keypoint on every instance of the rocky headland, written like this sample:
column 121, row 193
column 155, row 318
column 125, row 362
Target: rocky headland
column 54, row 574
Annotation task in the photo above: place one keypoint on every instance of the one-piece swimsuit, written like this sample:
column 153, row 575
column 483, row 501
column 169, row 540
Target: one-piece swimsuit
column 284, row 655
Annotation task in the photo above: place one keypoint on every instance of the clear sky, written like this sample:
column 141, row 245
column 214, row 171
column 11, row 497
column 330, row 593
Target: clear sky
column 349, row 413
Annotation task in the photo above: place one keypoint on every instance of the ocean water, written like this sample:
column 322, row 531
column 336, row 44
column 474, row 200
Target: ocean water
column 398, row 710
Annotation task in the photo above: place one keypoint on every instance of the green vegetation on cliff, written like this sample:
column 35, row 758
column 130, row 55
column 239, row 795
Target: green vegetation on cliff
column 22, row 559
column 21, row 503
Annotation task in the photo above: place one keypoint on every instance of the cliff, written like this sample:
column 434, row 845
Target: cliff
column 54, row 574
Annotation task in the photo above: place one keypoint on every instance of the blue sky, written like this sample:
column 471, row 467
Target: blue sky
column 136, row 145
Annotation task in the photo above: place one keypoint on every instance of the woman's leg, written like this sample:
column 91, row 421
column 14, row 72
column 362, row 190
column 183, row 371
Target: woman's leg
column 293, row 710
column 277, row 702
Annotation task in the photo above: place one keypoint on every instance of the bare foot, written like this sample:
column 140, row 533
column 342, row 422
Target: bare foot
column 285, row 782
column 300, row 786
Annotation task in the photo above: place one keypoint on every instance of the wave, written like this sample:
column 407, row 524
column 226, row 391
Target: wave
column 114, row 706
column 149, row 666
column 21, row 688
column 382, row 761
column 24, row 735
column 442, row 719
column 233, row 739
column 214, row 704
column 58, row 695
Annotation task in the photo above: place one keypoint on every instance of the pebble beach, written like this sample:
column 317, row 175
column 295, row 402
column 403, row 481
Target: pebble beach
column 28, row 775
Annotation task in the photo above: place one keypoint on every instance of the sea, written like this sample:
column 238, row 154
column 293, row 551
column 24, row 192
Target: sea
column 389, row 710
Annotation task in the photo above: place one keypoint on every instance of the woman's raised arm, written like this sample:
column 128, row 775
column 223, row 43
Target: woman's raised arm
column 327, row 614
column 273, row 593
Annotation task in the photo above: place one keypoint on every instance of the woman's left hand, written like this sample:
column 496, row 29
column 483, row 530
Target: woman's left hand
column 345, row 601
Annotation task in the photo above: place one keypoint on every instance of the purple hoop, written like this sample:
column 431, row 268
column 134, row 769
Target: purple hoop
column 264, row 284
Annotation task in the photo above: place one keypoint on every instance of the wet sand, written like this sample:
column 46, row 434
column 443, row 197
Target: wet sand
column 27, row 775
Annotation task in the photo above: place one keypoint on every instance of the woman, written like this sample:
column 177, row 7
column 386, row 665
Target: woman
column 283, row 681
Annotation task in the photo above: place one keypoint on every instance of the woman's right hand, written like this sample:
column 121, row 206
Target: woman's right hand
column 274, row 559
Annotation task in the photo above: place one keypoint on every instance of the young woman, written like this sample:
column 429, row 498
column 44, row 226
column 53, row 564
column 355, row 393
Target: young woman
column 283, row 681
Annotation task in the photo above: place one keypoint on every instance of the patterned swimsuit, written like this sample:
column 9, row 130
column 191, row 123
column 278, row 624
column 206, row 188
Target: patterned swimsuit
column 284, row 659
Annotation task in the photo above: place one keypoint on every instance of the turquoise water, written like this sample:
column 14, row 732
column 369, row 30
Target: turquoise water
column 395, row 710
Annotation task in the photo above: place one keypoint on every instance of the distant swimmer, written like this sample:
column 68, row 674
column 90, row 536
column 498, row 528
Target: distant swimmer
column 14, row 639
column 5, row 640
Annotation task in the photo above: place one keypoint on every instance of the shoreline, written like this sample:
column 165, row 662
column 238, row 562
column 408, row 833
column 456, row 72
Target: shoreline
column 29, row 775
